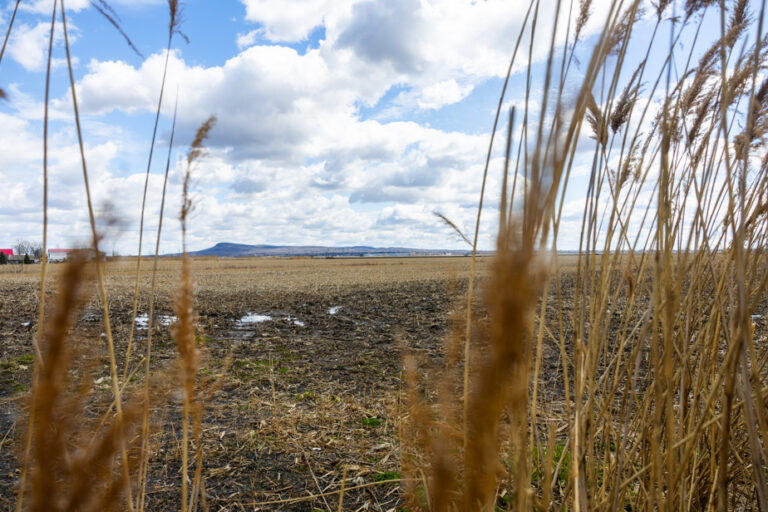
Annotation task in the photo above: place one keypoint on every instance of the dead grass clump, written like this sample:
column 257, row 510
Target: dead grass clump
column 73, row 464
column 659, row 393
column 186, row 340
column 662, row 385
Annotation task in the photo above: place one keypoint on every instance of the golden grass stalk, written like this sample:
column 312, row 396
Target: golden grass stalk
column 448, row 222
column 502, row 368
column 186, row 345
column 144, row 465
column 173, row 27
column 470, row 292
column 44, row 265
column 72, row 461
column 116, row 390
column 184, row 329
column 662, row 382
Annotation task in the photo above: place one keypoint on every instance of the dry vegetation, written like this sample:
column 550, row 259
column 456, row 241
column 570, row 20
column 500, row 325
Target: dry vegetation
column 631, row 378
column 322, row 395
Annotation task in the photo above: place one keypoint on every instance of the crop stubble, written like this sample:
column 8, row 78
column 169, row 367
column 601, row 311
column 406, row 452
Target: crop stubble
column 299, row 397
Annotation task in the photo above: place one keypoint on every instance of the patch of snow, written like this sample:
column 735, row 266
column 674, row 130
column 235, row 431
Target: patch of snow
column 254, row 318
column 142, row 321
column 25, row 324
column 167, row 319
column 295, row 321
column 333, row 310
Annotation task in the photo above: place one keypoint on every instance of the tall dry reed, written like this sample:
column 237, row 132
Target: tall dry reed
column 660, row 383
column 657, row 398
column 72, row 459
column 70, row 456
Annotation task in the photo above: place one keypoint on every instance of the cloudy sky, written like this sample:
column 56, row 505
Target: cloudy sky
column 340, row 122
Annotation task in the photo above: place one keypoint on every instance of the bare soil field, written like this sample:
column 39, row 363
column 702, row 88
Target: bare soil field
column 304, row 358
column 303, row 364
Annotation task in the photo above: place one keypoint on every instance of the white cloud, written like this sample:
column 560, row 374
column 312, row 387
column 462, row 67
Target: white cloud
column 441, row 48
column 443, row 93
column 28, row 45
column 267, row 108
column 247, row 39
column 21, row 164
column 45, row 6
column 291, row 160
column 294, row 22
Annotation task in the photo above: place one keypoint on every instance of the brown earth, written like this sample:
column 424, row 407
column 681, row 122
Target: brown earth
column 303, row 361
column 299, row 398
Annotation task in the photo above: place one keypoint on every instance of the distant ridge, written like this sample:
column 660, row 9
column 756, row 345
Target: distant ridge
column 230, row 250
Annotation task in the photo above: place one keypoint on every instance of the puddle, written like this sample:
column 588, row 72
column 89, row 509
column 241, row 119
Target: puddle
column 294, row 321
column 253, row 318
column 142, row 321
column 333, row 310
column 245, row 327
column 167, row 319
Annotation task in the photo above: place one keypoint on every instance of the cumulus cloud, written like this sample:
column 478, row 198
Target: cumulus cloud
column 294, row 23
column 385, row 33
column 439, row 50
column 292, row 154
column 443, row 93
column 21, row 163
column 44, row 6
column 28, row 45
column 247, row 39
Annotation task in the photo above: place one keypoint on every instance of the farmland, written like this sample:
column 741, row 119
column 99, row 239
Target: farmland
column 302, row 375
column 628, row 374
column 304, row 356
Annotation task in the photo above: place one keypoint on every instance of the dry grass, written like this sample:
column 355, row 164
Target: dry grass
column 72, row 460
column 633, row 377
column 265, row 274
column 658, row 347
column 289, row 391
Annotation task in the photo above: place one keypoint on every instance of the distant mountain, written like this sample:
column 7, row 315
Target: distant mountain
column 229, row 250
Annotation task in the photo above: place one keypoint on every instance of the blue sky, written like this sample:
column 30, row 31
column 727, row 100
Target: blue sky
column 340, row 122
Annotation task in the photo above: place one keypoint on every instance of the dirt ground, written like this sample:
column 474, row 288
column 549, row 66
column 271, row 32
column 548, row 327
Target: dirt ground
column 305, row 359
column 303, row 364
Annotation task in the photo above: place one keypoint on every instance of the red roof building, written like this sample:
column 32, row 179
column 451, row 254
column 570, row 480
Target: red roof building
column 7, row 252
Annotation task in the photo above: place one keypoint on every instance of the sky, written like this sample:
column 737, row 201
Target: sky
column 339, row 122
